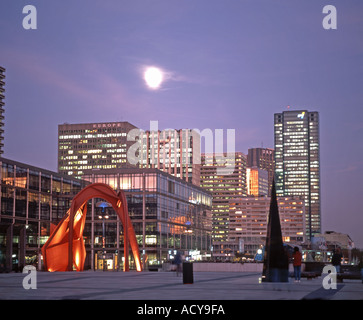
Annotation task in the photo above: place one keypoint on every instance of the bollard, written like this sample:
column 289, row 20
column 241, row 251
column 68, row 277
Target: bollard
column 187, row 273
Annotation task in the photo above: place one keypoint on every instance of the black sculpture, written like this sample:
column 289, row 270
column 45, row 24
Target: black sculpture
column 276, row 262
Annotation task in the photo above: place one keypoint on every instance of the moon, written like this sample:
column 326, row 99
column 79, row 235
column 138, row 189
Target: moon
column 153, row 77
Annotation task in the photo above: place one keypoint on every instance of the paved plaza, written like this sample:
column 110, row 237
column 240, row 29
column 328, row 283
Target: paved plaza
column 168, row 286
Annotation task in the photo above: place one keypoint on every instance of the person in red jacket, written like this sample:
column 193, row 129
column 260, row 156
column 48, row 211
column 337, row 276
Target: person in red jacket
column 297, row 257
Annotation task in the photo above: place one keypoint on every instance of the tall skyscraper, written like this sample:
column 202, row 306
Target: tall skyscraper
column 2, row 103
column 297, row 163
column 262, row 158
column 223, row 188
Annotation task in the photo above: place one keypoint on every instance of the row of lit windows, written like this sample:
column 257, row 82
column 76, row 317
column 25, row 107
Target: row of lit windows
column 288, row 132
column 92, row 136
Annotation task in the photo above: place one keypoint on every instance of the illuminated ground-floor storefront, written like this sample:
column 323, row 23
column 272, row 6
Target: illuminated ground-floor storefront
column 168, row 214
column 154, row 254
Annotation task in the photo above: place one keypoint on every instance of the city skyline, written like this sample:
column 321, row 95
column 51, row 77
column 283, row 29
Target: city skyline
column 224, row 67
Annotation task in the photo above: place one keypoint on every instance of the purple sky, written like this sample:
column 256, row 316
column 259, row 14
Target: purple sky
column 231, row 65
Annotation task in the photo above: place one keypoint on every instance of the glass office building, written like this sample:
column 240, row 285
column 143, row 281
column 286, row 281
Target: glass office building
column 297, row 164
column 168, row 214
column 31, row 200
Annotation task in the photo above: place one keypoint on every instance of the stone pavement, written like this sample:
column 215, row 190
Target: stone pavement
column 168, row 286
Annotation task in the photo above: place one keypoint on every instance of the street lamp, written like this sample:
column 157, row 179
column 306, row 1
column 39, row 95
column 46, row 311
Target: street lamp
column 103, row 218
column 187, row 231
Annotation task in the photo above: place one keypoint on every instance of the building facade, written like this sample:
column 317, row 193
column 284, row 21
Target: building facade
column 262, row 158
column 176, row 152
column 297, row 163
column 223, row 188
column 120, row 144
column 2, row 104
column 31, row 200
column 249, row 218
column 335, row 239
column 257, row 182
column 168, row 214
column 93, row 146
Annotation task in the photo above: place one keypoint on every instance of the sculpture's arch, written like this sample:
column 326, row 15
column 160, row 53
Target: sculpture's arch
column 65, row 246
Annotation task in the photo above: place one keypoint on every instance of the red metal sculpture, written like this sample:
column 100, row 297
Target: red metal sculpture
column 65, row 247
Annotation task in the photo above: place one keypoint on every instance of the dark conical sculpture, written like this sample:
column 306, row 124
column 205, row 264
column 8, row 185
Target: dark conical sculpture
column 276, row 263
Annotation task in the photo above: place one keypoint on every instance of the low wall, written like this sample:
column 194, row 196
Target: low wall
column 227, row 267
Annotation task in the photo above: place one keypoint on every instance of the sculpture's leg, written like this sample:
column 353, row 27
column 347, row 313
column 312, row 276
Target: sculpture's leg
column 126, row 242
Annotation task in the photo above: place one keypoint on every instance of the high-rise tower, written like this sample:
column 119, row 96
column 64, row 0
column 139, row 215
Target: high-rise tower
column 297, row 163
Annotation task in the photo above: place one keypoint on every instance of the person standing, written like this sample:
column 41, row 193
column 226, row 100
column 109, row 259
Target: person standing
column 297, row 257
column 336, row 260
column 178, row 262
